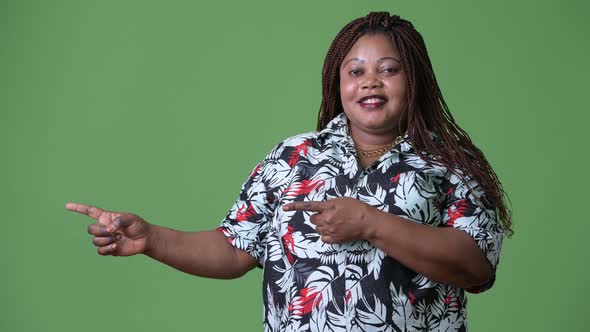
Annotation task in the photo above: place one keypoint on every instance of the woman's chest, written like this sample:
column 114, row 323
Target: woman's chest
column 414, row 193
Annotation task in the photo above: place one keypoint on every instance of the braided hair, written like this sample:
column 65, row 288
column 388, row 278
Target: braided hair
column 426, row 110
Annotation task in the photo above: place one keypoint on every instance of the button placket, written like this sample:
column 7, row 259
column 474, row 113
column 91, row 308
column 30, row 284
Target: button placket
column 349, row 281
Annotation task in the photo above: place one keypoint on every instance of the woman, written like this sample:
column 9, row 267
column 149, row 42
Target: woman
column 379, row 220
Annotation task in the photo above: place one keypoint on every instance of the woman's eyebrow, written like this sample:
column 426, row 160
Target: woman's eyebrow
column 388, row 58
column 378, row 61
column 356, row 59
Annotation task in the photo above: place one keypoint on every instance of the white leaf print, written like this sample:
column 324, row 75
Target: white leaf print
column 328, row 253
column 277, row 174
column 272, row 320
column 317, row 292
column 449, row 324
column 327, row 171
column 409, row 200
column 402, row 308
column 295, row 326
column 274, row 249
column 321, row 281
column 445, row 310
column 376, row 197
column 425, row 180
column 336, row 322
column 354, row 294
column 305, row 244
column 414, row 160
column 339, row 191
column 318, row 320
column 386, row 164
column 373, row 320
column 286, row 279
column 375, row 262
column 423, row 282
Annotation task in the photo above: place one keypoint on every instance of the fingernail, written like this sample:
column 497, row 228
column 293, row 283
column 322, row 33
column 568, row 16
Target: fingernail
column 111, row 228
column 114, row 246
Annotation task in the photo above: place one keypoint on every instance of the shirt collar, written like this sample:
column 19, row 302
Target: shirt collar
column 337, row 131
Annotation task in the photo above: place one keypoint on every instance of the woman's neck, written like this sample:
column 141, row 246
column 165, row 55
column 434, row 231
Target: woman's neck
column 370, row 141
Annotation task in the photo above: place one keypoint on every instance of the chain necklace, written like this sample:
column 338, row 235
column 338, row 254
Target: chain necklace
column 376, row 152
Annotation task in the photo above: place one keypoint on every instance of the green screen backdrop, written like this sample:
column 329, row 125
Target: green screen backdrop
column 162, row 108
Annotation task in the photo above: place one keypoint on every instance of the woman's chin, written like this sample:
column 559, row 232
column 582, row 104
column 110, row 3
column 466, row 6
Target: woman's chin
column 378, row 124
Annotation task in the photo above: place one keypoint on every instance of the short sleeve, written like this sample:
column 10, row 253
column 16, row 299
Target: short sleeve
column 467, row 208
column 247, row 222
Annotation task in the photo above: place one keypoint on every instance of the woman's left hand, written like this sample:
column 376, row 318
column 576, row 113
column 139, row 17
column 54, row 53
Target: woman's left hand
column 338, row 220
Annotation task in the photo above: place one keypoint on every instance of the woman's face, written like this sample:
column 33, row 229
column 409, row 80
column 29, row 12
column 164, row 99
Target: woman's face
column 372, row 86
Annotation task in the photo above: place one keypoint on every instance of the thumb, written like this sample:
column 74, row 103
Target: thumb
column 124, row 220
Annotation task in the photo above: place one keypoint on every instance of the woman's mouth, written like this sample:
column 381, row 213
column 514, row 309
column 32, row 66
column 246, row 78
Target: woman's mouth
column 372, row 102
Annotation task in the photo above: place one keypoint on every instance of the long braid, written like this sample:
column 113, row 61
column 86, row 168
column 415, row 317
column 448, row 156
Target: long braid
column 426, row 111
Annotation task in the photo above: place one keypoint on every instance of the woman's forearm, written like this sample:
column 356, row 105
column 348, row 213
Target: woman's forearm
column 446, row 255
column 204, row 254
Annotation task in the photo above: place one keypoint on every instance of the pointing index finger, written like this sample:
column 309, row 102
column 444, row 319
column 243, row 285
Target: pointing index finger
column 304, row 206
column 89, row 210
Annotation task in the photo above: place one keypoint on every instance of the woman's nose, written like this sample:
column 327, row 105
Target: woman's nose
column 371, row 82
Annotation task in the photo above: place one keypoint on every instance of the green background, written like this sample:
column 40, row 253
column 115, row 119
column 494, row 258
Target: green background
column 162, row 108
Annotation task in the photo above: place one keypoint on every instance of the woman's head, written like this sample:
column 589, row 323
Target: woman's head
column 408, row 44
column 423, row 112
column 372, row 87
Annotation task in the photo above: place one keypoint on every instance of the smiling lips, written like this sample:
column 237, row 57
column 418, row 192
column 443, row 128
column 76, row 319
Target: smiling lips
column 372, row 102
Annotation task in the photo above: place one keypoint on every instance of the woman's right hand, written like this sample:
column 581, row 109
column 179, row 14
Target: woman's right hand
column 115, row 233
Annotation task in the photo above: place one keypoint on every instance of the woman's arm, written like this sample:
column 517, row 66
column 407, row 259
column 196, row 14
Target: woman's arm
column 445, row 255
column 205, row 254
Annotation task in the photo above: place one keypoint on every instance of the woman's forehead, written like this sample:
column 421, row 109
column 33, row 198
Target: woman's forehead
column 372, row 48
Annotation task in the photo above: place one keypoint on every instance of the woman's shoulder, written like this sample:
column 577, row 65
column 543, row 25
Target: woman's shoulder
column 298, row 142
column 298, row 139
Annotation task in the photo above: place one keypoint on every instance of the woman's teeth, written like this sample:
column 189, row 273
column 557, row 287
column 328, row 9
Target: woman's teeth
column 373, row 101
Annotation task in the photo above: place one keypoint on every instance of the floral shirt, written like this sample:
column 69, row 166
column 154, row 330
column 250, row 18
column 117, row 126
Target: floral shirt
column 309, row 285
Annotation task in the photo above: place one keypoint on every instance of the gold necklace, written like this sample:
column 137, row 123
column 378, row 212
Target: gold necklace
column 377, row 152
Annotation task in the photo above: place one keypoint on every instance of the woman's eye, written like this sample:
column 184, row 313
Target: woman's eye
column 390, row 70
column 355, row 72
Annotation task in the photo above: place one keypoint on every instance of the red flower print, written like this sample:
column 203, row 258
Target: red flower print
column 458, row 211
column 309, row 298
column 255, row 171
column 244, row 213
column 295, row 155
column 412, row 297
column 289, row 244
column 303, row 187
